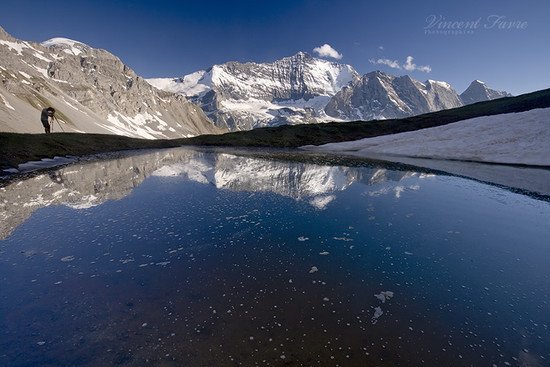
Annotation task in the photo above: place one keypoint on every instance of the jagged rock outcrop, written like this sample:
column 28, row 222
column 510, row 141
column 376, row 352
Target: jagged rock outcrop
column 92, row 91
column 378, row 95
column 478, row 91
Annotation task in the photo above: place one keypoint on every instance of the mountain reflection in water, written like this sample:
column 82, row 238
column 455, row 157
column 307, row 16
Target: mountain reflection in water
column 88, row 184
column 197, row 258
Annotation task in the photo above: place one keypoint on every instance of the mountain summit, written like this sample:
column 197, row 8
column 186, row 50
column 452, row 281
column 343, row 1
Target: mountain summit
column 478, row 91
column 242, row 96
column 378, row 95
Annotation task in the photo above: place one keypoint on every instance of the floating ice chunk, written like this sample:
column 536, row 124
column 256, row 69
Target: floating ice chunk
column 346, row 239
column 384, row 296
column 302, row 238
column 144, row 324
column 313, row 269
column 377, row 313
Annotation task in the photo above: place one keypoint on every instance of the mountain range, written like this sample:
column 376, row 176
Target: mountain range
column 92, row 90
column 303, row 89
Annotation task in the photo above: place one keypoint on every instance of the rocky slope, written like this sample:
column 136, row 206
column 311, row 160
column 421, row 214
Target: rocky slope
column 378, row 95
column 92, row 90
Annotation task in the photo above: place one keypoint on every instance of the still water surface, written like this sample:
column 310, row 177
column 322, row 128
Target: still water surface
column 190, row 258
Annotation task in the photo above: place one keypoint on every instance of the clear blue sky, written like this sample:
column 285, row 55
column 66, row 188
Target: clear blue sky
column 172, row 38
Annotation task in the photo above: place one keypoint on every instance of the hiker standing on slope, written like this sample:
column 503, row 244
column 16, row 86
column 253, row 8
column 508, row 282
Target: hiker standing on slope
column 46, row 117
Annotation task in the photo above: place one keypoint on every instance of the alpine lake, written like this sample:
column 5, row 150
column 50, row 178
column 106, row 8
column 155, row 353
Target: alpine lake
column 205, row 257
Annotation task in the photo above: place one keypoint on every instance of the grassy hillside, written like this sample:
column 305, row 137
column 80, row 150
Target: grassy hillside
column 19, row 148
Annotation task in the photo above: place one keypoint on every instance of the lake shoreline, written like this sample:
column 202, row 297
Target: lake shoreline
column 525, row 179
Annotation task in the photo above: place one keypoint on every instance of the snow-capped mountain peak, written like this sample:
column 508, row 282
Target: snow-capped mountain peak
column 68, row 46
column 56, row 41
column 304, row 89
column 479, row 91
column 240, row 96
column 439, row 83
column 378, row 95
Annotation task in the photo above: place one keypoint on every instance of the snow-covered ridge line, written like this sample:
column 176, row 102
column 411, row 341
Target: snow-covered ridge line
column 61, row 41
column 285, row 91
column 69, row 46
column 512, row 138
column 270, row 88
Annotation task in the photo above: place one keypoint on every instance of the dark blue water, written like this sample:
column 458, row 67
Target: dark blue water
column 182, row 258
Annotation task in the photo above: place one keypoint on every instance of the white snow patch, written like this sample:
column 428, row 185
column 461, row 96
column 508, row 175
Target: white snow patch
column 189, row 85
column 136, row 126
column 38, row 56
column 513, row 138
column 25, row 74
column 42, row 71
column 440, row 83
column 377, row 313
column 8, row 105
column 60, row 81
column 87, row 201
column 38, row 201
column 15, row 46
column 321, row 202
column 70, row 105
column 194, row 170
column 71, row 47
column 384, row 296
